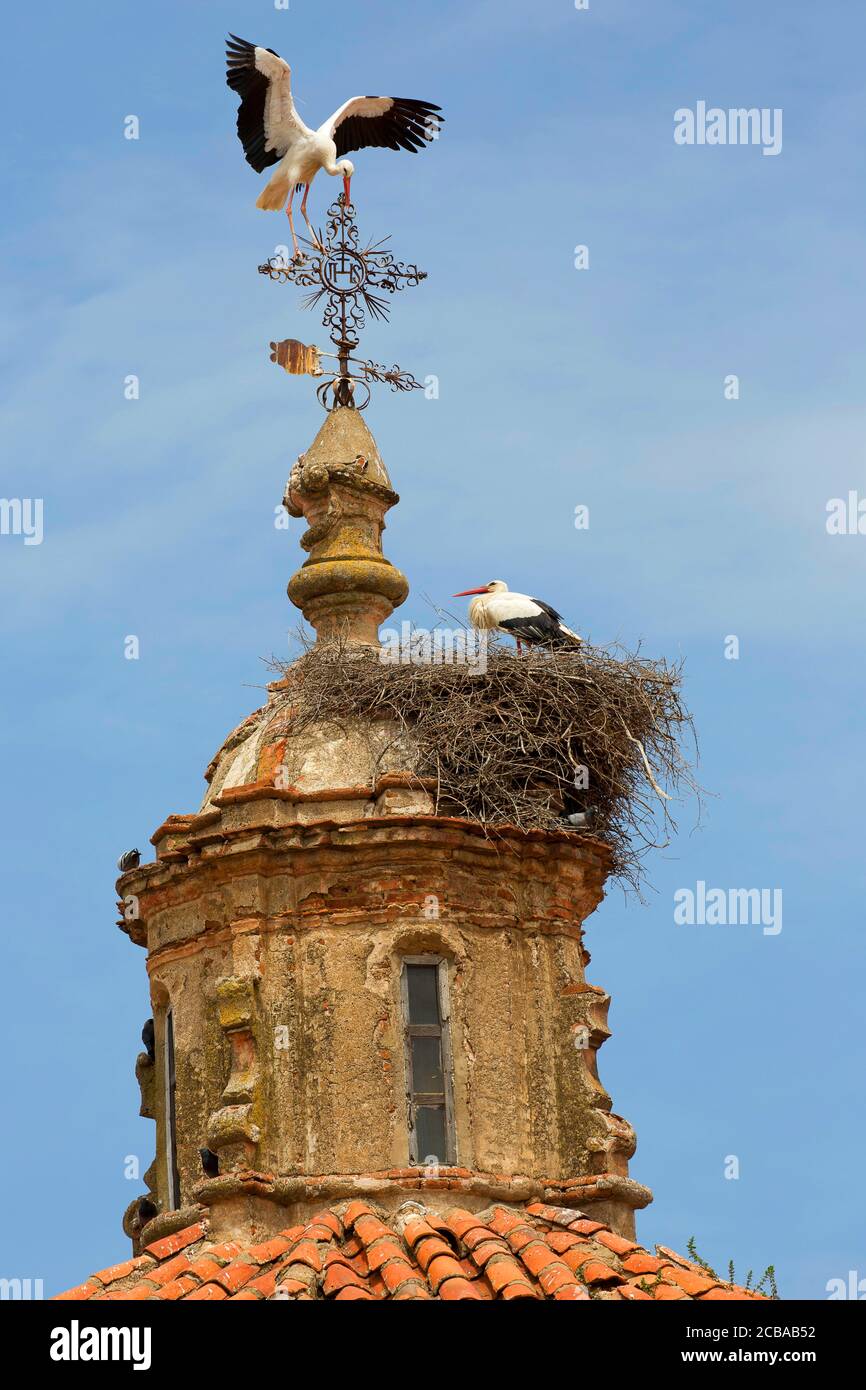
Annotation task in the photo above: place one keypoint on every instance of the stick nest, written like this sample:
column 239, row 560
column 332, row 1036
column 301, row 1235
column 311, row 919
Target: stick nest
column 525, row 741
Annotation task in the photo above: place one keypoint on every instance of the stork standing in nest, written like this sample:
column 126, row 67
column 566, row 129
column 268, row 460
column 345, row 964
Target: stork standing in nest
column 272, row 132
column 527, row 620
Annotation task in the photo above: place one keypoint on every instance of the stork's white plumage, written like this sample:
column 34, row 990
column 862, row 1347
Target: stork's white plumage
column 272, row 132
column 525, row 619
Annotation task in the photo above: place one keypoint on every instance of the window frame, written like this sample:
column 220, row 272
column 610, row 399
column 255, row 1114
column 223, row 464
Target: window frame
column 170, row 1112
column 443, row 1032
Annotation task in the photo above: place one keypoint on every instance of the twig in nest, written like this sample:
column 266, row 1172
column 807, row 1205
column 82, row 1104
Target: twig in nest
column 503, row 738
column 649, row 772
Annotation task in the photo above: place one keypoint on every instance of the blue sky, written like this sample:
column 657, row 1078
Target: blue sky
column 558, row 387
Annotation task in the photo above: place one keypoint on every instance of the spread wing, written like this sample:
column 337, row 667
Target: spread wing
column 391, row 123
column 268, row 123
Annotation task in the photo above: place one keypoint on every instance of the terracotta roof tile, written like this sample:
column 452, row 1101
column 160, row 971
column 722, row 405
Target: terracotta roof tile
column 642, row 1263
column 340, row 1276
column 268, row 1250
column 595, row 1272
column 487, row 1248
column 563, row 1240
column 538, row 1256
column 173, row 1288
column 521, row 1288
column 122, row 1271
column 616, row 1243
column 667, row 1292
column 442, row 1268
column 306, row 1252
column 170, row 1269
column 369, row 1228
column 694, row 1284
column 427, row 1250
column 396, row 1273
column 521, row 1236
column 544, row 1213
column 461, row 1222
column 205, row 1268
column 138, row 1293
column 415, row 1230
column 502, row 1221
column 331, row 1220
column 355, row 1251
column 354, row 1210
column 453, row 1289
column 503, row 1270
column 556, row 1276
column 290, row 1288
column 80, row 1292
column 292, row 1233
column 573, row 1292
column 161, row 1249
column 382, row 1251
column 265, row 1283
column 235, row 1275
column 576, row 1258
column 585, row 1227
column 225, row 1251
column 207, row 1292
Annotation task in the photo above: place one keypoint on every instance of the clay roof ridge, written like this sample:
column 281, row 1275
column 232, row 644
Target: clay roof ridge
column 356, row 1250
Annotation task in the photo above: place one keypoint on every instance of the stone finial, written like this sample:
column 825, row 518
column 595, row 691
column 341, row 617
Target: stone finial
column 346, row 588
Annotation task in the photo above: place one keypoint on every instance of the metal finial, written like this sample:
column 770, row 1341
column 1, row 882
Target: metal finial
column 350, row 279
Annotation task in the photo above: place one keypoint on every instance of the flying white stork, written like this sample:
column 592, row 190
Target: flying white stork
column 525, row 619
column 272, row 132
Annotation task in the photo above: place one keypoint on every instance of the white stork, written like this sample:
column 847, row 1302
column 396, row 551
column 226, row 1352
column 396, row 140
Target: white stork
column 525, row 619
column 272, row 132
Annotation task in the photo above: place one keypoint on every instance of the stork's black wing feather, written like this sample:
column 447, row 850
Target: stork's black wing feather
column 407, row 124
column 546, row 608
column 541, row 631
column 251, row 86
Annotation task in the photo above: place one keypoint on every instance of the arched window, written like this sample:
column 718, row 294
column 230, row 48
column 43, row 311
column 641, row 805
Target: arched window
column 170, row 1121
column 428, row 1061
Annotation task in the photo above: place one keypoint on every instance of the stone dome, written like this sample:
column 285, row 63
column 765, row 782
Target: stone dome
column 344, row 771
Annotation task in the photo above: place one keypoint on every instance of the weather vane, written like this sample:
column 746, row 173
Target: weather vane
column 350, row 279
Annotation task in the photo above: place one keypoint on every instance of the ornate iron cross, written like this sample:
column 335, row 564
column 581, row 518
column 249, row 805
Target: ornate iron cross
column 350, row 279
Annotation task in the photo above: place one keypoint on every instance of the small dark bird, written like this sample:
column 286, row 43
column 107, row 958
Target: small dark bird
column 130, row 860
column 579, row 818
column 210, row 1163
column 147, row 1037
column 146, row 1211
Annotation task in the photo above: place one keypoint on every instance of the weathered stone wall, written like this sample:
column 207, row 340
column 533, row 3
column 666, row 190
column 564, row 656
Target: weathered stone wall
column 280, row 952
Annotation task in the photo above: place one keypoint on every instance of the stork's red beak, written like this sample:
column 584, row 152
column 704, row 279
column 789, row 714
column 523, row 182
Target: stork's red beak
column 464, row 593
column 347, row 188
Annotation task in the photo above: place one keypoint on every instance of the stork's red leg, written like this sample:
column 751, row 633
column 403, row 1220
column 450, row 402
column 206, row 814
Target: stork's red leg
column 292, row 222
column 313, row 238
